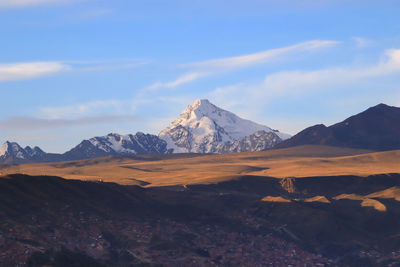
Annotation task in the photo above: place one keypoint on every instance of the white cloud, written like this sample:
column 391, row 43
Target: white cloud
column 186, row 78
column 29, row 70
column 280, row 85
column 361, row 42
column 105, row 65
column 83, row 109
column 26, row 3
column 31, row 123
column 293, row 81
column 261, row 57
column 221, row 65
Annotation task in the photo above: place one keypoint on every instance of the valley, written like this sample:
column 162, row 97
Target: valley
column 313, row 205
column 186, row 169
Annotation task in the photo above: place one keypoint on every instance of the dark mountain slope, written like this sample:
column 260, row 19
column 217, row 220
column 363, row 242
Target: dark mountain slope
column 377, row 128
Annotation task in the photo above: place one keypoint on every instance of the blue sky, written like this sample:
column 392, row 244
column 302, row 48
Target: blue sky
column 74, row 69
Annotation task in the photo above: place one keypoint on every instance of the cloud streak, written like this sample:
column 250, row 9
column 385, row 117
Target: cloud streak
column 280, row 85
column 283, row 82
column 30, row 70
column 80, row 110
column 261, row 57
column 31, row 123
column 215, row 66
column 186, row 78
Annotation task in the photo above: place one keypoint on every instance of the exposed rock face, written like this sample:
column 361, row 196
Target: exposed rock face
column 11, row 152
column 116, row 144
column 205, row 128
column 109, row 145
column 258, row 141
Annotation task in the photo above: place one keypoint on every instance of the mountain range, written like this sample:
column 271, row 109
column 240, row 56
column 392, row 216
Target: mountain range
column 205, row 128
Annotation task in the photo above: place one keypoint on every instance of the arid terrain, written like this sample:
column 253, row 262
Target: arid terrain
column 186, row 169
column 301, row 206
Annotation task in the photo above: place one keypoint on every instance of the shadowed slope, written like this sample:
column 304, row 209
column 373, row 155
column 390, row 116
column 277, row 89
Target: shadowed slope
column 377, row 128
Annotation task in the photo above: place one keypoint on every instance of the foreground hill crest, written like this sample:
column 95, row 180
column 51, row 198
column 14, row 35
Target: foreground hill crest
column 205, row 128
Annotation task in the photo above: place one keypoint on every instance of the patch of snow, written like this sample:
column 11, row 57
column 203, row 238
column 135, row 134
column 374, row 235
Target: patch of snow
column 4, row 149
column 202, row 126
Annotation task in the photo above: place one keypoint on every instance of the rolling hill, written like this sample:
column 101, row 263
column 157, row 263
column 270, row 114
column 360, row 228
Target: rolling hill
column 183, row 169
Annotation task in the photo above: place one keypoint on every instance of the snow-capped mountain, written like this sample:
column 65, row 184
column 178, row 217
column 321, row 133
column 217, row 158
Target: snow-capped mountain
column 13, row 152
column 34, row 152
column 116, row 144
column 258, row 141
column 205, row 128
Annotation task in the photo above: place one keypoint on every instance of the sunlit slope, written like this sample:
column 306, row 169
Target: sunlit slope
column 161, row 170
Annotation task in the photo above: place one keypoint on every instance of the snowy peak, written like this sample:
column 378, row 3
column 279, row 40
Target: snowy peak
column 116, row 144
column 202, row 127
column 34, row 152
column 12, row 150
column 200, row 108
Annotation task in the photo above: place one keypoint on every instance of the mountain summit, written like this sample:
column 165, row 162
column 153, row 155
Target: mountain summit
column 11, row 152
column 205, row 128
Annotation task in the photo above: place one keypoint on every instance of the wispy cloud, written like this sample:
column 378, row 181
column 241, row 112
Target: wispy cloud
column 185, row 78
column 221, row 65
column 32, row 123
column 361, row 42
column 293, row 81
column 80, row 110
column 285, row 84
column 29, row 70
column 261, row 57
column 105, row 64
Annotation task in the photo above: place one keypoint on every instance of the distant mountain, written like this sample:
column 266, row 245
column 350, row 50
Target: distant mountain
column 116, row 144
column 109, row 145
column 201, row 128
column 377, row 128
column 11, row 152
column 205, row 128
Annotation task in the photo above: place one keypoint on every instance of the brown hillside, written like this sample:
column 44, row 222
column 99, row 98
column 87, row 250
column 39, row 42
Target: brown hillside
column 187, row 169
